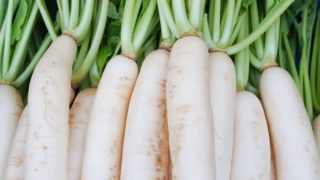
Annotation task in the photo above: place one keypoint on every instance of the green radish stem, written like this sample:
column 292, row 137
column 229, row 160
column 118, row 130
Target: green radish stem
column 315, row 68
column 80, row 73
column 272, row 16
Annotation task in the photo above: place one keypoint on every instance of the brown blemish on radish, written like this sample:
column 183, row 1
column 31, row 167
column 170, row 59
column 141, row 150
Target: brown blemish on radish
column 161, row 103
column 16, row 161
column 162, row 84
column 177, row 134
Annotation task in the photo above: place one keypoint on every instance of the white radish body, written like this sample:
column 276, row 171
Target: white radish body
column 146, row 147
column 78, row 123
column 316, row 130
column 15, row 166
column 223, row 99
column 295, row 149
column 251, row 152
column 103, row 149
column 48, row 112
column 11, row 106
column 191, row 132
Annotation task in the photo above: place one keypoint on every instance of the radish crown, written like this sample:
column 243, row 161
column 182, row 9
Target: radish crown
column 264, row 51
column 181, row 17
column 89, row 55
column 85, row 22
column 139, row 20
column 21, row 45
column 167, row 37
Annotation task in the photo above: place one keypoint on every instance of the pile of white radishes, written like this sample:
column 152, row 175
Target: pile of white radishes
column 187, row 113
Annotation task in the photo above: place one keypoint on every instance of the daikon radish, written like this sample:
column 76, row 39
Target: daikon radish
column 103, row 148
column 251, row 153
column 223, row 100
column 11, row 106
column 48, row 112
column 294, row 144
column 146, row 146
column 15, row 166
column 191, row 133
column 78, row 123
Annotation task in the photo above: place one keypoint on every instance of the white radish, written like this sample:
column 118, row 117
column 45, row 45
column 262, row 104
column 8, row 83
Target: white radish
column 251, row 152
column 15, row 166
column 146, row 144
column 11, row 106
column 78, row 123
column 223, row 99
column 48, row 112
column 191, row 132
column 295, row 149
column 316, row 130
column 103, row 148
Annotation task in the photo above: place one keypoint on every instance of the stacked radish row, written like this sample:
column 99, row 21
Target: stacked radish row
column 185, row 114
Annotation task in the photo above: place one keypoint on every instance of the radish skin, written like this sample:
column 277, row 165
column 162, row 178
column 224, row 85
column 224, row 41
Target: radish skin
column 15, row 166
column 146, row 147
column 223, row 99
column 251, row 152
column 78, row 123
column 48, row 112
column 316, row 130
column 292, row 138
column 103, row 148
column 191, row 132
column 11, row 106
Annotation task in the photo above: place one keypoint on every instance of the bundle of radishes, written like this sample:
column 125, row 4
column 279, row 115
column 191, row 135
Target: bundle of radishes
column 159, row 89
